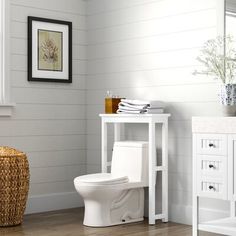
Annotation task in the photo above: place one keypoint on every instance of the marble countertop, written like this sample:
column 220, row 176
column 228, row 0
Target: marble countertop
column 221, row 125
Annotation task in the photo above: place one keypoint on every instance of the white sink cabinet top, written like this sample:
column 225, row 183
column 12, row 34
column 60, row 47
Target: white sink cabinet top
column 221, row 125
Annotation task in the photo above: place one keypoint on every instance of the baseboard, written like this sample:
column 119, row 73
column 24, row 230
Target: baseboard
column 183, row 214
column 51, row 202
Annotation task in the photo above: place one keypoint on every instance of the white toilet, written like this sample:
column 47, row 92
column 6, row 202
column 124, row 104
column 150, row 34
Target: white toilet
column 117, row 197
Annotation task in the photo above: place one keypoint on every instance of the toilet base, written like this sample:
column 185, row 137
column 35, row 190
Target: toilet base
column 126, row 207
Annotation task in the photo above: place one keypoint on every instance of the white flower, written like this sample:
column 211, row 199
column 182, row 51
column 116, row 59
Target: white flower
column 218, row 56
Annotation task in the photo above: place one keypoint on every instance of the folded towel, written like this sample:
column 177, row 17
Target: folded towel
column 153, row 104
column 140, row 111
column 130, row 109
column 140, row 107
column 129, row 112
column 128, row 105
column 154, row 111
column 127, row 109
column 134, row 102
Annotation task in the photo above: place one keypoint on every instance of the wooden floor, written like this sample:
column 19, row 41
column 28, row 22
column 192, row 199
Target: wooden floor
column 69, row 223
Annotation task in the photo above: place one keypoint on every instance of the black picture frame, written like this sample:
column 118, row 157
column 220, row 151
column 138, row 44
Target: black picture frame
column 68, row 78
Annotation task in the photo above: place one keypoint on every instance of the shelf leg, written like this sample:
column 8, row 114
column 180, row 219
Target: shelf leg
column 117, row 132
column 232, row 209
column 195, row 215
column 104, row 147
column 195, row 205
column 165, row 171
column 152, row 173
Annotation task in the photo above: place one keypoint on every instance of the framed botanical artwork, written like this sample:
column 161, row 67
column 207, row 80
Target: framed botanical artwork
column 49, row 50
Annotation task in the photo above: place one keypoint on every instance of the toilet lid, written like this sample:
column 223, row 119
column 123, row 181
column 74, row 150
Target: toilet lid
column 103, row 178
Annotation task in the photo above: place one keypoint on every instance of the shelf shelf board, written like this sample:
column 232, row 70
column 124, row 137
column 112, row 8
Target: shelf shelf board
column 226, row 226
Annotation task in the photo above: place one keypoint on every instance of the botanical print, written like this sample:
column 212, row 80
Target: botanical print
column 50, row 50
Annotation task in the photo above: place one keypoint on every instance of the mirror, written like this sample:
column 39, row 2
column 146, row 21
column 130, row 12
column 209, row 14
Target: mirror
column 230, row 18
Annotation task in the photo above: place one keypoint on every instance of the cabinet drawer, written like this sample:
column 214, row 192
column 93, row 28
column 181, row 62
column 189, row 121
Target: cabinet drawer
column 212, row 166
column 211, row 144
column 212, row 187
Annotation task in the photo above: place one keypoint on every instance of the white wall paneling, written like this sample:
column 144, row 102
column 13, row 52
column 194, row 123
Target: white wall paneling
column 147, row 50
column 19, row 30
column 158, row 26
column 74, row 7
column 48, row 122
column 143, row 10
column 30, row 111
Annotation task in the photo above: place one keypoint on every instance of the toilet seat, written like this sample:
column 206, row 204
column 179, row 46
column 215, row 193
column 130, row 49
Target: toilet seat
column 101, row 179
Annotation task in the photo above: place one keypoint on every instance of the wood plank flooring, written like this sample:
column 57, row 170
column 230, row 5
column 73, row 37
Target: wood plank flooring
column 70, row 223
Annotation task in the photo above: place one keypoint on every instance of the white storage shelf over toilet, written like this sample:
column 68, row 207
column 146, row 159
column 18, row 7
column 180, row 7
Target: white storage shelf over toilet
column 214, row 168
column 151, row 120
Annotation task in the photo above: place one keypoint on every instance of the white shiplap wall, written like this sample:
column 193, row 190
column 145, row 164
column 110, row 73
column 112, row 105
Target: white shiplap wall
column 48, row 122
column 146, row 49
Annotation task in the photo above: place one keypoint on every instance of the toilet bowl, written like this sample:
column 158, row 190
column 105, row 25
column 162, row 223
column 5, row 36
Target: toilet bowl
column 117, row 197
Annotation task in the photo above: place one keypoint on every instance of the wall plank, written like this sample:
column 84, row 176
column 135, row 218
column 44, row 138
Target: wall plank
column 184, row 22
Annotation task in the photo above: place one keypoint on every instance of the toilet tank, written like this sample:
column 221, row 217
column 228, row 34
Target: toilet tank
column 130, row 158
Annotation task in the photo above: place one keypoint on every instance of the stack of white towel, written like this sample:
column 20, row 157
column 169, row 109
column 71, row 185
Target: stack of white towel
column 140, row 107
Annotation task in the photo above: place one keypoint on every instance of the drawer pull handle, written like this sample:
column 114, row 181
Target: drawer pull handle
column 211, row 166
column 211, row 187
column 211, row 145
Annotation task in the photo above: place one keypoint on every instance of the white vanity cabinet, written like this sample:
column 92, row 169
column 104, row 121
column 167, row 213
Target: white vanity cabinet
column 214, row 169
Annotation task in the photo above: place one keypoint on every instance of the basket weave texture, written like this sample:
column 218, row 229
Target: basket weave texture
column 14, row 186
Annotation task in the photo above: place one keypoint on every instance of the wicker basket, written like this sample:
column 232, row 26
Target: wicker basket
column 14, row 186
